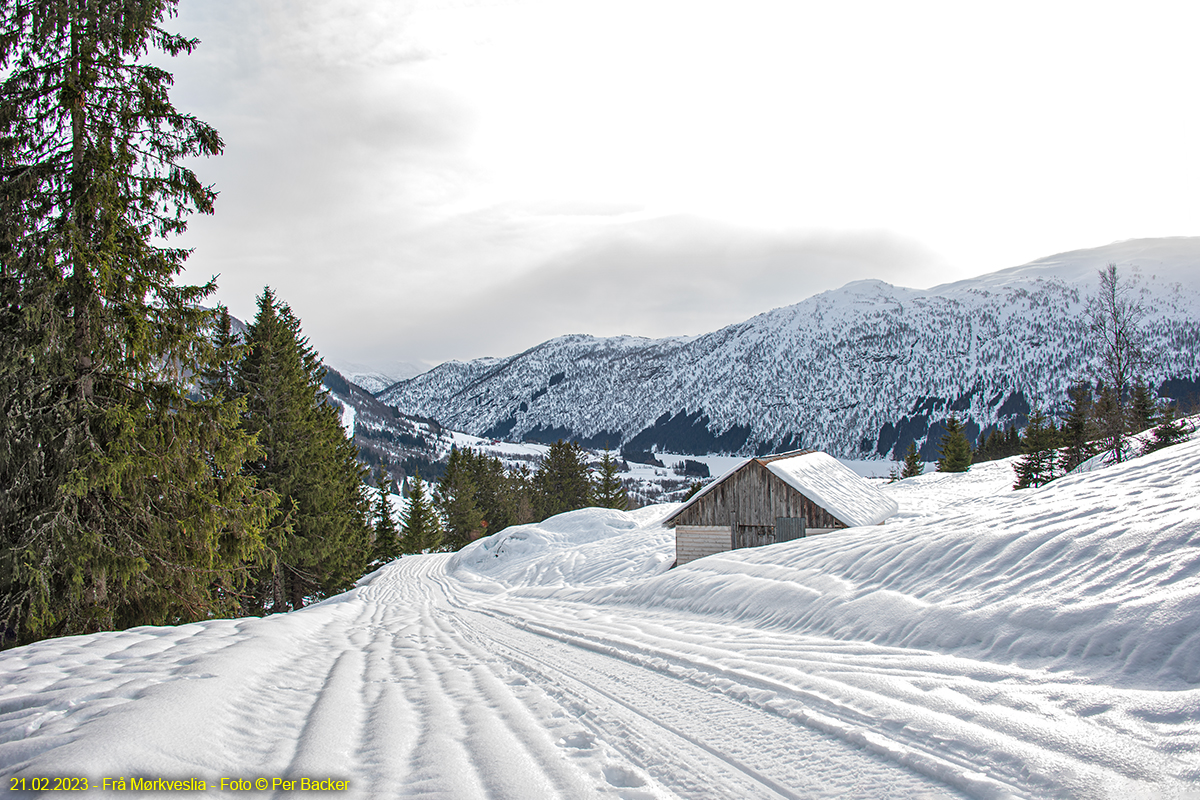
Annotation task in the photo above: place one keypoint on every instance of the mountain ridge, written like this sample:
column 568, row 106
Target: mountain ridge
column 858, row 371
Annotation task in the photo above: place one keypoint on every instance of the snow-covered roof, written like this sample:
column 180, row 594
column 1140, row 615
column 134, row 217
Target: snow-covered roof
column 823, row 479
column 831, row 485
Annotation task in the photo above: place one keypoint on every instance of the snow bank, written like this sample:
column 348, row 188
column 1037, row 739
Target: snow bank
column 936, row 492
column 1097, row 573
column 589, row 547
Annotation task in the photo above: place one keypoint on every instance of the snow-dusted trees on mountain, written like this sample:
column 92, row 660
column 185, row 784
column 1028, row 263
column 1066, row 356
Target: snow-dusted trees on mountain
column 122, row 501
column 321, row 544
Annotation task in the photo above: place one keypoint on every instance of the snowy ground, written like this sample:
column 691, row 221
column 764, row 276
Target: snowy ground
column 983, row 643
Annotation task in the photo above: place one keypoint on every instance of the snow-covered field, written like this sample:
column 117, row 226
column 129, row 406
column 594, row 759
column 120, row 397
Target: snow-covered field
column 982, row 643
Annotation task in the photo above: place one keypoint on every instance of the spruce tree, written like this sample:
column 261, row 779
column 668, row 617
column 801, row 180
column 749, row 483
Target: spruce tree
column 386, row 546
column 561, row 481
column 1110, row 421
column 217, row 380
column 307, row 460
column 455, row 498
column 954, row 451
column 912, row 463
column 1143, row 411
column 123, row 502
column 609, row 492
column 493, row 496
column 1036, row 467
column 421, row 529
column 520, row 487
column 1078, row 431
column 1012, row 442
column 985, row 448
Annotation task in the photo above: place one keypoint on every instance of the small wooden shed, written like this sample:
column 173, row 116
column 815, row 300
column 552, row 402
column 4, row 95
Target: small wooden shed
column 775, row 499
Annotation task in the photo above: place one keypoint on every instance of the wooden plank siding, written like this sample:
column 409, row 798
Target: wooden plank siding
column 748, row 502
column 692, row 542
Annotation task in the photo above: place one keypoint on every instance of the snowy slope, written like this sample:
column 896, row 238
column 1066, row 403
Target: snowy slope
column 983, row 643
column 858, row 371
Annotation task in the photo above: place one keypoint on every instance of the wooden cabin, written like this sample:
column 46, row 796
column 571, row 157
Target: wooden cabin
column 775, row 499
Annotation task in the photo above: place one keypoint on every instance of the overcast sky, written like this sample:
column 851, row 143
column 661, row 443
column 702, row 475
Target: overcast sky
column 433, row 179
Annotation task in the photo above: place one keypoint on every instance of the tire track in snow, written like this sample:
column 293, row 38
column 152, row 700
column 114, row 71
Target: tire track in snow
column 709, row 733
column 392, row 724
column 937, row 735
column 512, row 754
column 325, row 747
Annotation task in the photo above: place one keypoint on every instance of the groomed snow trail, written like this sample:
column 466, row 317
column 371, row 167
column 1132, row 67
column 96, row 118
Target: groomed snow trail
column 985, row 644
column 405, row 691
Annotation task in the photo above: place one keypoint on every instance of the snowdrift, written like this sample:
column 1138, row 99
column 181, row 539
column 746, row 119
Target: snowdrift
column 1098, row 573
column 590, row 547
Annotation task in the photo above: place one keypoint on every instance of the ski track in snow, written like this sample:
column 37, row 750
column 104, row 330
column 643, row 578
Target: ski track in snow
column 560, row 660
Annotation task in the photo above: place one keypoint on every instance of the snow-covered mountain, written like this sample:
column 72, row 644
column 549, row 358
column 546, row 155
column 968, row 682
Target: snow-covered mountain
column 400, row 443
column 858, row 371
column 375, row 381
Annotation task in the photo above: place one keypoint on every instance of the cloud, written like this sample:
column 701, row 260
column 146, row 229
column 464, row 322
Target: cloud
column 425, row 180
column 677, row 275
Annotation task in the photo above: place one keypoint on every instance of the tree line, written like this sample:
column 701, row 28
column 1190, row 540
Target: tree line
column 157, row 469
column 477, row 496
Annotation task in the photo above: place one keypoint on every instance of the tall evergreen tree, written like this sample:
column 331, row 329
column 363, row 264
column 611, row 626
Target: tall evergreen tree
column 561, row 481
column 1012, row 442
column 1110, row 420
column 1078, row 431
column 307, row 460
column 455, row 497
column 494, row 495
column 1143, row 411
column 954, row 453
column 1036, row 466
column 987, row 448
column 123, row 500
column 217, row 380
column 520, row 486
column 913, row 465
column 608, row 491
column 421, row 529
column 386, row 546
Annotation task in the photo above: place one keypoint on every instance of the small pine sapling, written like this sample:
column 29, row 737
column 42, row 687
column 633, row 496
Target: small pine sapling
column 912, row 463
column 1171, row 430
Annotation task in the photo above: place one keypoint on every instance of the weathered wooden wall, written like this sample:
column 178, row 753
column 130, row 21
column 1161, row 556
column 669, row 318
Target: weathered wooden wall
column 692, row 542
column 754, row 496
